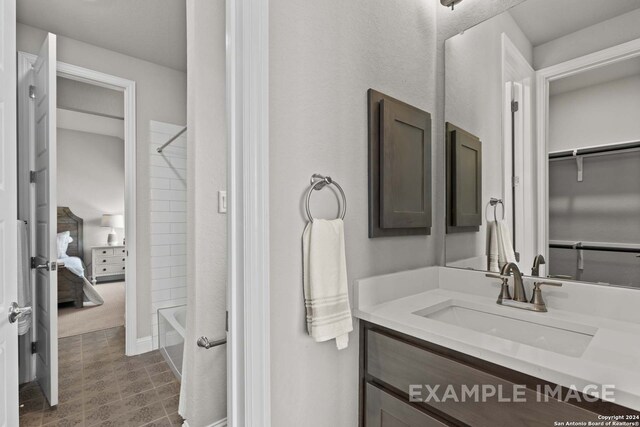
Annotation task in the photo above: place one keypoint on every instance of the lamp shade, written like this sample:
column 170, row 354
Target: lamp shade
column 112, row 221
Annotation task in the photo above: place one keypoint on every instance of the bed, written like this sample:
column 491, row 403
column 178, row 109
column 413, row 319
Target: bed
column 70, row 285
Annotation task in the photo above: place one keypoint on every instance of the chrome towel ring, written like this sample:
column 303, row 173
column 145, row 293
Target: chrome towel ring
column 494, row 202
column 318, row 182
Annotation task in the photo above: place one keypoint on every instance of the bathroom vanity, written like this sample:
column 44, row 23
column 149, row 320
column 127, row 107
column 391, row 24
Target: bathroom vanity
column 436, row 349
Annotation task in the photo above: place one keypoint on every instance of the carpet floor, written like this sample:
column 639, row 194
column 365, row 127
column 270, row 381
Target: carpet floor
column 75, row 321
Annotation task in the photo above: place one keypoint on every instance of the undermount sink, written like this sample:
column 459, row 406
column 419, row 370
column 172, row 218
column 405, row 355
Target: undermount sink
column 566, row 338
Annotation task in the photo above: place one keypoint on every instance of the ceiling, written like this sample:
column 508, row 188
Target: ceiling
column 152, row 30
column 546, row 20
column 608, row 73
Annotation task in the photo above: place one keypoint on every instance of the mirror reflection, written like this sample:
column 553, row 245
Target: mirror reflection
column 543, row 142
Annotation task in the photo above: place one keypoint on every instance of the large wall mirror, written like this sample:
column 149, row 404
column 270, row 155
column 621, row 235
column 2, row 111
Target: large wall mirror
column 549, row 93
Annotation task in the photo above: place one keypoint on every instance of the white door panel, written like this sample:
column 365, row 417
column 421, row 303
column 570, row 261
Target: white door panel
column 46, row 288
column 8, row 216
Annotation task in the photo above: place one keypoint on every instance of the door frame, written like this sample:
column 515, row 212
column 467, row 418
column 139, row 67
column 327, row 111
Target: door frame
column 248, row 348
column 128, row 88
column 544, row 77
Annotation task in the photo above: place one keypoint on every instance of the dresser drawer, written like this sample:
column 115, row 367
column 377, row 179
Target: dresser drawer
column 119, row 251
column 104, row 252
column 110, row 269
column 403, row 365
column 111, row 260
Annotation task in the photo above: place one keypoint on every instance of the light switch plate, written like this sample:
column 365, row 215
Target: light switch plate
column 222, row 202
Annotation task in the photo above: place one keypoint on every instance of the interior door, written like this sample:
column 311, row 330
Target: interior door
column 8, row 216
column 46, row 289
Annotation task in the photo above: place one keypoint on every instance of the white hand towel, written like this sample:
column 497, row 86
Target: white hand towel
column 506, row 253
column 499, row 246
column 24, row 282
column 326, row 294
column 492, row 247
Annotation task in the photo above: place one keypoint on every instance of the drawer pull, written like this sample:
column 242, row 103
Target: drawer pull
column 123, row 268
column 104, row 269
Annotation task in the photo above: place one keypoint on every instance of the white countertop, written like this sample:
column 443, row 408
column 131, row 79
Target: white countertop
column 611, row 358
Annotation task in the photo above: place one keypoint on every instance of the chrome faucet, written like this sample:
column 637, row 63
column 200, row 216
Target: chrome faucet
column 537, row 262
column 511, row 268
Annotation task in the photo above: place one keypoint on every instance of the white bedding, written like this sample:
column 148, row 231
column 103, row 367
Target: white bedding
column 74, row 265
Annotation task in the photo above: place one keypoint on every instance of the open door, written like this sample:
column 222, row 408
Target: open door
column 46, row 289
column 8, row 216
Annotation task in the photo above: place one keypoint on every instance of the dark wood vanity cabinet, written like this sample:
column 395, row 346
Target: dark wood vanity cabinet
column 390, row 363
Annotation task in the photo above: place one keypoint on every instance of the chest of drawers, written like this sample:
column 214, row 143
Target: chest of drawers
column 108, row 262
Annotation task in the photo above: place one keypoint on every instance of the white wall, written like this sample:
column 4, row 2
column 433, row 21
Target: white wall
column 73, row 94
column 205, row 392
column 91, row 181
column 605, row 113
column 160, row 95
column 168, row 217
column 323, row 58
column 600, row 36
column 473, row 101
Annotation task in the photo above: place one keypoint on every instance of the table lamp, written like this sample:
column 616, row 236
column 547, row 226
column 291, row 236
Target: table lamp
column 112, row 221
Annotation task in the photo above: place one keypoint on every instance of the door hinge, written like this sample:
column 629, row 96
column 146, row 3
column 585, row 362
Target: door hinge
column 515, row 181
column 32, row 92
column 34, row 347
column 514, row 106
column 32, row 177
column 226, row 321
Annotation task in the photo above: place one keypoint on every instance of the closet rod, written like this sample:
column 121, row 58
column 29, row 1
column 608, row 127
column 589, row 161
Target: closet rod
column 594, row 247
column 599, row 149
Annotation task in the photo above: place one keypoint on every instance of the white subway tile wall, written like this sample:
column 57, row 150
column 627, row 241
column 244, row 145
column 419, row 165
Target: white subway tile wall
column 168, row 218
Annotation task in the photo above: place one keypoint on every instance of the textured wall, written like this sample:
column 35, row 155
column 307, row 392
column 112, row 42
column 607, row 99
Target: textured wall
column 323, row 58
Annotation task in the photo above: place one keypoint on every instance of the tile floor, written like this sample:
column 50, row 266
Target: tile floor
column 100, row 386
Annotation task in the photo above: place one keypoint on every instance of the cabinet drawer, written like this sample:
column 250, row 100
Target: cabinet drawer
column 111, row 260
column 384, row 410
column 402, row 365
column 119, row 251
column 110, row 269
column 104, row 252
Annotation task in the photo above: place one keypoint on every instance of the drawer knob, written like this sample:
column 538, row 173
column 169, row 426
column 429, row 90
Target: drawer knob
column 104, row 269
column 123, row 268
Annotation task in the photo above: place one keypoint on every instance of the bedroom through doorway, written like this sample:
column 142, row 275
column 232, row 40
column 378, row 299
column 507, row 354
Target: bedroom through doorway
column 91, row 234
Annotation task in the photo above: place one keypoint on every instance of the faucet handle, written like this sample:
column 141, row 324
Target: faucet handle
column 537, row 285
column 536, row 298
column 504, row 289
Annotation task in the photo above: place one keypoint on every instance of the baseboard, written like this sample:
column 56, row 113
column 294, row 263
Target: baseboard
column 144, row 344
column 221, row 423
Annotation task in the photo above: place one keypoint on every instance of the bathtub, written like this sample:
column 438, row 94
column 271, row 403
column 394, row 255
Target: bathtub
column 171, row 336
